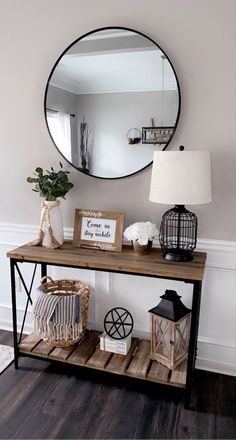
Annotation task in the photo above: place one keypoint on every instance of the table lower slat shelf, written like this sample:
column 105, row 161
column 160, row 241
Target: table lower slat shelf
column 136, row 363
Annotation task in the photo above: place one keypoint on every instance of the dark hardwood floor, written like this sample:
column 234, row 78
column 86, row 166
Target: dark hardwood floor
column 42, row 400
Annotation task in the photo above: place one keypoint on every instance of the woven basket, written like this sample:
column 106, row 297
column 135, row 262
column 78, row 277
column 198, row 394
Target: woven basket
column 64, row 288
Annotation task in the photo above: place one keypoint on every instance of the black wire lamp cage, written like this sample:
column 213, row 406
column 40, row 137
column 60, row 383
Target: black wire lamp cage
column 179, row 178
column 178, row 233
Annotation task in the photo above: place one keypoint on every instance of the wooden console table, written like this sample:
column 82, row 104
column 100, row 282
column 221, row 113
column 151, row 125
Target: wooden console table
column 87, row 353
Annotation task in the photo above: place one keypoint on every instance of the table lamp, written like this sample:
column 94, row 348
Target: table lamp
column 180, row 178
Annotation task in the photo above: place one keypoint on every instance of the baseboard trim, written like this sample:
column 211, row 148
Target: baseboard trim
column 5, row 324
column 216, row 341
column 16, row 234
column 216, row 366
column 6, row 318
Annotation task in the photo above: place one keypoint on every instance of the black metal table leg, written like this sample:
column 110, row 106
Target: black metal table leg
column 197, row 287
column 43, row 270
column 14, row 315
column 29, row 300
column 14, row 267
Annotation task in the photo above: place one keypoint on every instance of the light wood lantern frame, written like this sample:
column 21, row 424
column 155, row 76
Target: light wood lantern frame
column 170, row 339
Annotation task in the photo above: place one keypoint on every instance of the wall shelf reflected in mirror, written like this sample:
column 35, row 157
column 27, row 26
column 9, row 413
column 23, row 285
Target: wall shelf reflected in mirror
column 105, row 82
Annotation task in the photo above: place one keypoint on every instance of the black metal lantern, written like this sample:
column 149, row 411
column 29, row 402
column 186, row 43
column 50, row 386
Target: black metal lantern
column 170, row 329
column 178, row 233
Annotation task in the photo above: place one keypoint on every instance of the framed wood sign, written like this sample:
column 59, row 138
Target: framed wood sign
column 98, row 229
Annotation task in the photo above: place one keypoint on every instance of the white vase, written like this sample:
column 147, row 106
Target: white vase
column 51, row 216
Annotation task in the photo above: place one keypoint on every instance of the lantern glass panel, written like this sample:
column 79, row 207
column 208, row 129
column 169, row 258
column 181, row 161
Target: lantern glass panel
column 163, row 334
column 182, row 337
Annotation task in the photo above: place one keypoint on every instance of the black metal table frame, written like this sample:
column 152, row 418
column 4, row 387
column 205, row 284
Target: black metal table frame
column 196, row 300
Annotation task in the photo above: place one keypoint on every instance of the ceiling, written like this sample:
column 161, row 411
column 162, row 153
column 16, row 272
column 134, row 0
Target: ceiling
column 110, row 62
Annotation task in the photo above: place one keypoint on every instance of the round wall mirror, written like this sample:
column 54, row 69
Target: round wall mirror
column 111, row 99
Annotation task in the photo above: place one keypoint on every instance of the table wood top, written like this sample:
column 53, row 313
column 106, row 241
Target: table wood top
column 126, row 261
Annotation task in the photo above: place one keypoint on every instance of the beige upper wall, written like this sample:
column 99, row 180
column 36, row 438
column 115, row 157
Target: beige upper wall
column 199, row 38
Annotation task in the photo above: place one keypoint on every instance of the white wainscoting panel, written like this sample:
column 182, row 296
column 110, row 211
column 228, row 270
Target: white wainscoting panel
column 217, row 328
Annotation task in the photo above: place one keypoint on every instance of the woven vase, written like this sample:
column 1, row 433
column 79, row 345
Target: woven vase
column 141, row 249
column 56, row 223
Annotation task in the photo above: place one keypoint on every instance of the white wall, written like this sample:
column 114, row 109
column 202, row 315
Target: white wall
column 61, row 100
column 111, row 115
column 199, row 38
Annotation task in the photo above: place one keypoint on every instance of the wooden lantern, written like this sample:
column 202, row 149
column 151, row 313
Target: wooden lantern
column 170, row 329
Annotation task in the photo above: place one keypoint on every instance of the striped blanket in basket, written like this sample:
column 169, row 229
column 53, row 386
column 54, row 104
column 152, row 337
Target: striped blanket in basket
column 57, row 317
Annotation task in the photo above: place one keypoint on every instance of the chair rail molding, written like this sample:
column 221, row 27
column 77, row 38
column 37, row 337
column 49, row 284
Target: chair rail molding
column 216, row 343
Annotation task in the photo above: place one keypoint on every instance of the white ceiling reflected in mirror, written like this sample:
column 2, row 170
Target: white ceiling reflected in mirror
column 105, row 84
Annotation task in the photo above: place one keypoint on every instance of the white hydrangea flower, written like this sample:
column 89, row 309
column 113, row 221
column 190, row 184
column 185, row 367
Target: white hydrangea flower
column 141, row 231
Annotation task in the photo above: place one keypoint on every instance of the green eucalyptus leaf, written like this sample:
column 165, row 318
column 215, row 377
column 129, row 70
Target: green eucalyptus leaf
column 32, row 179
column 68, row 186
column 52, row 184
column 62, row 176
column 39, row 170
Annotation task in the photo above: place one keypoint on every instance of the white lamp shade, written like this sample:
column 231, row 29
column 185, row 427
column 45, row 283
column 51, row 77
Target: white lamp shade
column 181, row 177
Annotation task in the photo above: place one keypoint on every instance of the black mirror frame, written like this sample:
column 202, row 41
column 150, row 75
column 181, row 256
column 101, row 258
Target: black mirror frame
column 54, row 67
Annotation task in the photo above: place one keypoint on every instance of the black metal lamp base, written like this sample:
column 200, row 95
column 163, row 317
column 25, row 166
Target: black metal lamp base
column 178, row 255
column 178, row 234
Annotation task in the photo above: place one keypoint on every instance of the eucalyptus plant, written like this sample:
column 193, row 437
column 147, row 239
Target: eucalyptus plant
column 51, row 184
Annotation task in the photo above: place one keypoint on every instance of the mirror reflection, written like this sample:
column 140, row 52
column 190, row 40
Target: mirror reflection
column 111, row 100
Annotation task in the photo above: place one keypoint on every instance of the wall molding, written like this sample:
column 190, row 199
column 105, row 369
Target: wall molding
column 216, row 341
column 15, row 234
column 215, row 354
column 6, row 318
column 215, row 366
